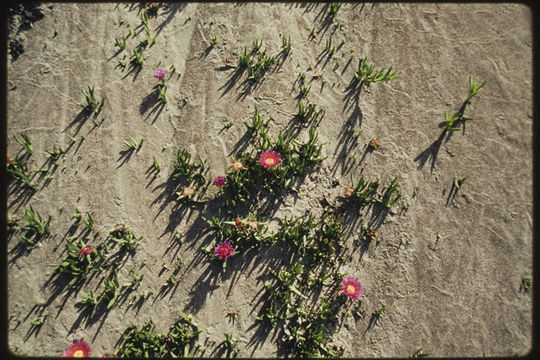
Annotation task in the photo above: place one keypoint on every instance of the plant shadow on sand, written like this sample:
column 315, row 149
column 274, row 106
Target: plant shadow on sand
column 152, row 104
column 348, row 140
column 432, row 151
column 19, row 195
column 82, row 117
column 63, row 285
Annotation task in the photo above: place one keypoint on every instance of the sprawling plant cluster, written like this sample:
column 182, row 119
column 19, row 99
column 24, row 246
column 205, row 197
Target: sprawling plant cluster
column 296, row 158
column 257, row 61
column 303, row 297
column 147, row 343
column 367, row 192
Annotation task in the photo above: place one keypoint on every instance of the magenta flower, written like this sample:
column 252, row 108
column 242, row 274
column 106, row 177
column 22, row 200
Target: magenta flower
column 269, row 158
column 219, row 181
column 78, row 349
column 224, row 250
column 351, row 288
column 86, row 250
column 160, row 74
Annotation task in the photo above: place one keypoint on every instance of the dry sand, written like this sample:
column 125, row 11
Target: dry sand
column 449, row 274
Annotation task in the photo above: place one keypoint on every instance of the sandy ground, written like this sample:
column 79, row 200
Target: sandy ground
column 448, row 271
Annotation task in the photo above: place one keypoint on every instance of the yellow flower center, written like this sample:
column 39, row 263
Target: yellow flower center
column 350, row 289
column 78, row 353
column 270, row 161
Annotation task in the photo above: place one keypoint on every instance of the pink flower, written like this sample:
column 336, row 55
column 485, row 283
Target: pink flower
column 224, row 250
column 160, row 74
column 351, row 288
column 86, row 250
column 219, row 181
column 78, row 349
column 269, row 158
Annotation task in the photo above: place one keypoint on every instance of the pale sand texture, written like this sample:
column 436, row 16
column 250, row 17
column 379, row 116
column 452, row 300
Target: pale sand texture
column 449, row 275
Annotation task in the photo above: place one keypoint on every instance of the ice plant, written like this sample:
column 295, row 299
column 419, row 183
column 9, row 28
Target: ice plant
column 86, row 250
column 224, row 250
column 269, row 158
column 152, row 8
column 160, row 74
column 78, row 349
column 351, row 288
column 219, row 181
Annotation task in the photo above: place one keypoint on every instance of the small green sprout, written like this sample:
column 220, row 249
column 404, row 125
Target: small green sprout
column 18, row 170
column 55, row 152
column 379, row 311
column 286, row 45
column 474, row 89
column 35, row 228
column 133, row 144
column 109, row 294
column 419, row 354
column 257, row 44
column 88, row 299
column 213, row 40
column 89, row 223
column 156, row 165
column 137, row 57
column 367, row 73
column 329, row 48
column 91, row 102
column 124, row 237
column 452, row 121
column 304, row 90
column 525, row 285
column 120, row 42
column 243, row 59
column 25, row 143
column 334, row 7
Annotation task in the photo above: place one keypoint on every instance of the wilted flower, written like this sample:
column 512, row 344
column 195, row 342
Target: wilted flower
column 239, row 222
column 224, row 250
column 253, row 224
column 119, row 230
column 236, row 165
column 219, row 181
column 269, row 158
column 86, row 250
column 78, row 349
column 374, row 143
column 349, row 192
column 9, row 159
column 160, row 74
column 188, row 191
column 351, row 288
